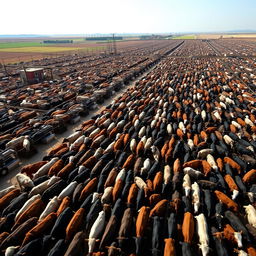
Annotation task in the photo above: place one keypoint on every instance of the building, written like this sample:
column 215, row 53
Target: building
column 32, row 75
column 103, row 38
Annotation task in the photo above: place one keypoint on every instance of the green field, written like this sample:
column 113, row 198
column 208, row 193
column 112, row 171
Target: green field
column 185, row 37
column 7, row 45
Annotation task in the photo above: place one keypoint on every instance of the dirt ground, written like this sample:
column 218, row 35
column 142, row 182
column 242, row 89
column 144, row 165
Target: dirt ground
column 13, row 57
column 217, row 36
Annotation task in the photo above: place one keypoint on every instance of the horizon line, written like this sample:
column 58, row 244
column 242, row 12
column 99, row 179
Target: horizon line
column 131, row 33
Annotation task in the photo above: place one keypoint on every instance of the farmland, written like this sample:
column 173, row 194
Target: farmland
column 185, row 37
column 165, row 166
column 217, row 36
column 239, row 35
column 7, row 45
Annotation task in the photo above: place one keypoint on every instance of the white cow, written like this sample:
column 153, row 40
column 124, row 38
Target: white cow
column 146, row 166
column 210, row 159
column 74, row 136
column 26, row 205
column 167, row 174
column 251, row 215
column 50, row 207
column 196, row 196
column 202, row 233
column 24, row 181
column 186, row 184
column 140, row 182
column 96, row 230
column 68, row 191
column 106, row 197
column 45, row 168
column 77, row 143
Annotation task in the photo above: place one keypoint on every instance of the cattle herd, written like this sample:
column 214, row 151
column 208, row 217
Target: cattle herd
column 82, row 83
column 168, row 168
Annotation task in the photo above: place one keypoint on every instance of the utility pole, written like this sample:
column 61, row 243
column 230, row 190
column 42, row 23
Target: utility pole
column 25, row 74
column 109, row 47
column 6, row 73
column 114, row 44
column 51, row 73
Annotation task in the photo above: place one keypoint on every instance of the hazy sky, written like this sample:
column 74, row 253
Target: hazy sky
column 124, row 16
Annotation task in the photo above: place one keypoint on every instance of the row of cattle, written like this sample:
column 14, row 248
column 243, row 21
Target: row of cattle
column 195, row 48
column 166, row 169
column 240, row 47
column 219, row 47
column 241, row 68
column 245, row 70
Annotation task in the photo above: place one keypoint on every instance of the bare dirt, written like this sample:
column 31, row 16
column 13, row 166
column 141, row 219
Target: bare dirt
column 13, row 57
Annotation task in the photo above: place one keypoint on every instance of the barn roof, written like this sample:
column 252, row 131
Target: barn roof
column 33, row 69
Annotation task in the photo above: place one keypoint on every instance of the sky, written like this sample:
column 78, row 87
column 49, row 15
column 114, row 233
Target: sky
column 125, row 16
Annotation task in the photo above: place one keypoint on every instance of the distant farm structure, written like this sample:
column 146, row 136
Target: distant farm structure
column 58, row 41
column 103, row 38
column 32, row 75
